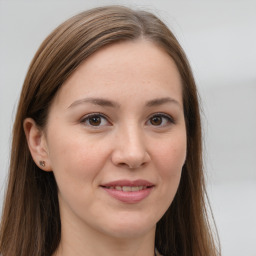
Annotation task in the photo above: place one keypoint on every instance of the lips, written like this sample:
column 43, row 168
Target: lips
column 128, row 191
column 127, row 188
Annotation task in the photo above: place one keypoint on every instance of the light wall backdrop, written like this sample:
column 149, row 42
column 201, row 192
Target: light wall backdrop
column 219, row 38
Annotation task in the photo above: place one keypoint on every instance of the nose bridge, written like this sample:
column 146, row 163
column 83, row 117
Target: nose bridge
column 134, row 139
column 130, row 148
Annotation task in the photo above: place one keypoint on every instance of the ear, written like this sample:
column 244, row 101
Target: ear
column 37, row 144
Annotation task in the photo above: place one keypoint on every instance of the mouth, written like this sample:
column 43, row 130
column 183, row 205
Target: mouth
column 129, row 191
column 127, row 188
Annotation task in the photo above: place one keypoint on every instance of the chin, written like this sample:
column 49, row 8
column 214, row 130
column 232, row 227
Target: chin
column 131, row 227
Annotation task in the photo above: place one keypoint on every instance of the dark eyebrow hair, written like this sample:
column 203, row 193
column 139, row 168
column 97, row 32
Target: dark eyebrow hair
column 96, row 101
column 109, row 103
column 160, row 101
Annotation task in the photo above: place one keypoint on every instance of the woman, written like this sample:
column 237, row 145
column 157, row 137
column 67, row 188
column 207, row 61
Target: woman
column 106, row 154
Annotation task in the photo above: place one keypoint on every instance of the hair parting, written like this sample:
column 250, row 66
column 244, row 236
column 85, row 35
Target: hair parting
column 31, row 221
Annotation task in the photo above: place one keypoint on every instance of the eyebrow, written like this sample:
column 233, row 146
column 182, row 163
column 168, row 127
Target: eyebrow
column 96, row 101
column 161, row 101
column 108, row 103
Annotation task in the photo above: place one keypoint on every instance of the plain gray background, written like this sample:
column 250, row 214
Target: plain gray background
column 219, row 38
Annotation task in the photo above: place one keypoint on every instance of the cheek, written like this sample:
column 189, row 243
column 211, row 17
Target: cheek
column 170, row 157
column 75, row 158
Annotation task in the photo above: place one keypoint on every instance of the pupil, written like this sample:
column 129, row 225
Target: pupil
column 156, row 120
column 95, row 120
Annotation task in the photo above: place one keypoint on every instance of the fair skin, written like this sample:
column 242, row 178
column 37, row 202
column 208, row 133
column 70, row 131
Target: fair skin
column 118, row 119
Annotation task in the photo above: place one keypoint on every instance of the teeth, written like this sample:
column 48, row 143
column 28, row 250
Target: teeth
column 137, row 188
column 128, row 188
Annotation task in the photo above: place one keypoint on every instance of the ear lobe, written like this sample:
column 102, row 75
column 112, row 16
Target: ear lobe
column 37, row 144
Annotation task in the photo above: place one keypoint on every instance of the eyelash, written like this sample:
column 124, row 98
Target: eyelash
column 169, row 119
column 86, row 119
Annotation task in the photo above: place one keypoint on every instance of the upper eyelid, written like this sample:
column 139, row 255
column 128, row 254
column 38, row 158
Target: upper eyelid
column 170, row 117
column 87, row 116
column 94, row 114
column 161, row 114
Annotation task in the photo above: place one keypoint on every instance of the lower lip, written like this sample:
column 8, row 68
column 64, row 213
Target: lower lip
column 129, row 197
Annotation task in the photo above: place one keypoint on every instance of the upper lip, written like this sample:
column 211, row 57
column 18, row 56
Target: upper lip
column 129, row 183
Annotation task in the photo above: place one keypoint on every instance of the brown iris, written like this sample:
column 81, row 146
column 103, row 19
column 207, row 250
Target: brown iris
column 95, row 120
column 156, row 120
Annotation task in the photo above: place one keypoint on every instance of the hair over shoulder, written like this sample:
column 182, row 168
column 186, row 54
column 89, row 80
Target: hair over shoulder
column 30, row 222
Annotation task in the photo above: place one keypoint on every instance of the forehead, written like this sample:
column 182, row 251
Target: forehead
column 124, row 69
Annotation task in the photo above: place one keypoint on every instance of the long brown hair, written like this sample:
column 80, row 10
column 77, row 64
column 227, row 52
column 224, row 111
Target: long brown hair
column 31, row 222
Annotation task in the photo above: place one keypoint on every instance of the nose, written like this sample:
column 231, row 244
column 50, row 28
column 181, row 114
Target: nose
column 130, row 149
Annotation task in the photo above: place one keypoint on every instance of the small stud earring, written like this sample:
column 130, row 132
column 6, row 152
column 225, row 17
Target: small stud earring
column 42, row 163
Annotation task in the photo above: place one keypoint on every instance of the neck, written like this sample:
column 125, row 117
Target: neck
column 77, row 241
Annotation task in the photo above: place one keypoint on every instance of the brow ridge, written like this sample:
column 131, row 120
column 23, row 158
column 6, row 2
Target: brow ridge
column 108, row 103
column 95, row 101
column 161, row 101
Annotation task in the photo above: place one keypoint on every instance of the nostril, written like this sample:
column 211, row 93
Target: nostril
column 130, row 166
column 137, row 165
column 131, row 159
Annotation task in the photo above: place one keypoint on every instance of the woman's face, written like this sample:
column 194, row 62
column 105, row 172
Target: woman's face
column 116, row 140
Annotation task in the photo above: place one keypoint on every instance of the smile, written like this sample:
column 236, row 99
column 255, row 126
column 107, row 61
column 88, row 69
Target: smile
column 127, row 188
column 130, row 192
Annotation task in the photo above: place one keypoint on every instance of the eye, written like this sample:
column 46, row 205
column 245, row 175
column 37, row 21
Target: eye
column 95, row 120
column 160, row 119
